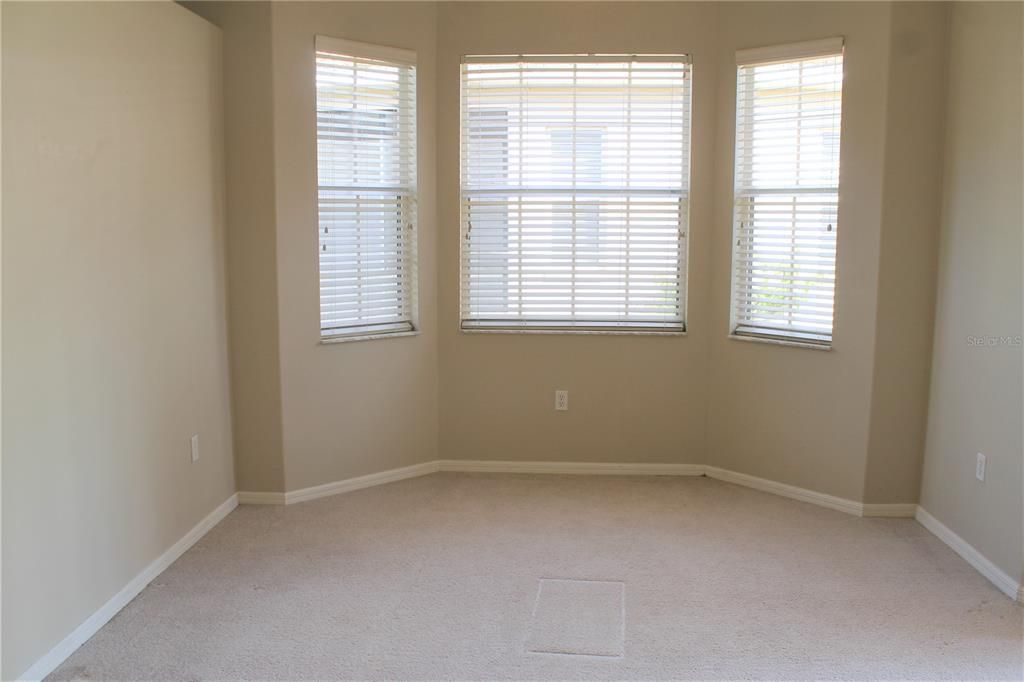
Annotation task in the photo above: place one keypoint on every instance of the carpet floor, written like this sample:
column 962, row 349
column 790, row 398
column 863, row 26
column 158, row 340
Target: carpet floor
column 494, row 576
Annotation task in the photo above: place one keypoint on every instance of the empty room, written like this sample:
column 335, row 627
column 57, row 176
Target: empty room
column 511, row 340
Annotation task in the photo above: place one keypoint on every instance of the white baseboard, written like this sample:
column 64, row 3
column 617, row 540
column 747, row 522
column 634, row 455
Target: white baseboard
column 337, row 487
column 466, row 465
column 996, row 575
column 58, row 654
column 349, row 484
column 593, row 468
column 786, row 490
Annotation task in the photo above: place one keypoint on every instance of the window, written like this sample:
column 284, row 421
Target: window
column 575, row 192
column 786, row 193
column 366, row 175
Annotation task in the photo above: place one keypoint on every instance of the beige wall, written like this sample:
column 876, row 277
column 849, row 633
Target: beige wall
column 849, row 421
column 114, row 335
column 359, row 407
column 631, row 398
column 810, row 418
column 908, row 254
column 829, row 421
column 311, row 413
column 251, row 241
column 976, row 401
column 252, row 253
column 794, row 415
column 797, row 415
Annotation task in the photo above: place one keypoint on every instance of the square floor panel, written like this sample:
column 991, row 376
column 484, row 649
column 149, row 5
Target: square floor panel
column 582, row 617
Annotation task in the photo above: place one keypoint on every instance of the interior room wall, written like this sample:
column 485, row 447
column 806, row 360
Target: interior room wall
column 115, row 334
column 631, row 398
column 796, row 415
column 809, row 418
column 976, row 394
column 251, row 241
column 360, row 407
column 908, row 255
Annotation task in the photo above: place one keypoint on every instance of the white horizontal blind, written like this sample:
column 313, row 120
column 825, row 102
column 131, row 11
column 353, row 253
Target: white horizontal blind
column 787, row 192
column 575, row 192
column 366, row 167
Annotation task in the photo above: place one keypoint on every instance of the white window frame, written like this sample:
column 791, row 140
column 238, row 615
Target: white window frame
column 682, row 201
column 740, row 326
column 406, row 196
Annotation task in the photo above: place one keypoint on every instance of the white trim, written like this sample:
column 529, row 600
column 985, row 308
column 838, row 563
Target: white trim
column 467, row 465
column 369, row 480
column 571, row 332
column 791, row 52
column 58, row 654
column 600, row 468
column 779, row 341
column 591, row 468
column 676, row 58
column 786, row 490
column 996, row 575
column 351, row 48
column 327, row 340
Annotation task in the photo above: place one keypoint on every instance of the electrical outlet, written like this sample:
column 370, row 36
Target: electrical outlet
column 195, row 447
column 561, row 400
column 979, row 467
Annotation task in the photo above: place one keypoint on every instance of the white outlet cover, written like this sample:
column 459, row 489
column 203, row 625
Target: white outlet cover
column 195, row 447
column 979, row 467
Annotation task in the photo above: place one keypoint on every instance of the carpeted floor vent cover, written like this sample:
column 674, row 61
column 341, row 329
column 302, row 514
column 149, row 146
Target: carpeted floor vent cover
column 582, row 617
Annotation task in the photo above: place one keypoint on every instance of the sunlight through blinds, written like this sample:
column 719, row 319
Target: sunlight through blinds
column 575, row 192
column 366, row 167
column 786, row 193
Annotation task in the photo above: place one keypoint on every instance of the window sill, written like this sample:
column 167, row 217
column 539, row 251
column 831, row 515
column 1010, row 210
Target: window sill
column 575, row 332
column 329, row 340
column 780, row 342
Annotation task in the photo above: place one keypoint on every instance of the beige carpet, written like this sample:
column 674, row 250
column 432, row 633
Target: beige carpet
column 569, row 577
